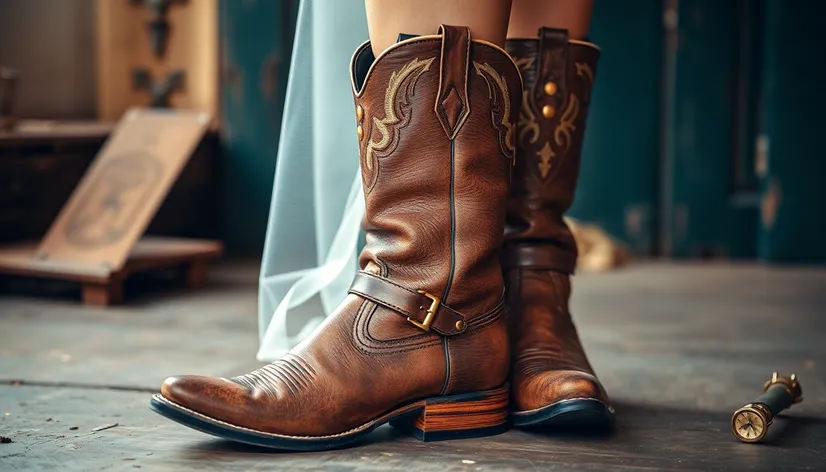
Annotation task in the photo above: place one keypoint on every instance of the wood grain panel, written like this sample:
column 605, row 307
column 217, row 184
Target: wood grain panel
column 123, row 188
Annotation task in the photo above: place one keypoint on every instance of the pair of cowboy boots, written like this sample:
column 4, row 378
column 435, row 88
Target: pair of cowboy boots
column 422, row 340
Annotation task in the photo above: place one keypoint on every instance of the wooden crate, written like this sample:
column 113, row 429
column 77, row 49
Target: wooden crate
column 42, row 162
column 101, row 287
column 97, row 238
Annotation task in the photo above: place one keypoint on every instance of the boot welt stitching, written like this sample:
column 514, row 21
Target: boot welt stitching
column 525, row 412
column 400, row 410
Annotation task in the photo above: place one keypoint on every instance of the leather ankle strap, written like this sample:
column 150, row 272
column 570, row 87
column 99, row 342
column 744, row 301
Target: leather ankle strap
column 539, row 257
column 421, row 308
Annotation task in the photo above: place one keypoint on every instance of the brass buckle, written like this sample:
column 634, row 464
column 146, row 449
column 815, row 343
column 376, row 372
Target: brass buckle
column 431, row 311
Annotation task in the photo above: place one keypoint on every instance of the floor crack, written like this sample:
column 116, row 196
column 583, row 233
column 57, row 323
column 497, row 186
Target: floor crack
column 80, row 385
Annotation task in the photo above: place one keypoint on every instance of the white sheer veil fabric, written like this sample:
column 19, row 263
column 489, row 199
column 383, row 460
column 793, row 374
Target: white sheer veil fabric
column 317, row 201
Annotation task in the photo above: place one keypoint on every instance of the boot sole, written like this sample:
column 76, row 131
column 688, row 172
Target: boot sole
column 467, row 415
column 574, row 413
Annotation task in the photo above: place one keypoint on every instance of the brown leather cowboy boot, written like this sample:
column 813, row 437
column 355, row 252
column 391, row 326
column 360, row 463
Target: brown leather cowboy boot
column 552, row 380
column 421, row 340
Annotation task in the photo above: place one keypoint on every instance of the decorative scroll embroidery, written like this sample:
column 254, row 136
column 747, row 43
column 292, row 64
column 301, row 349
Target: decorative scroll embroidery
column 529, row 127
column 388, row 127
column 524, row 63
column 584, row 70
column 500, row 105
column 545, row 156
column 562, row 133
column 527, row 121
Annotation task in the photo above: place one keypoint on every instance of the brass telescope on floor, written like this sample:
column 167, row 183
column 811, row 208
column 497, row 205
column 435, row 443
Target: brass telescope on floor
column 751, row 423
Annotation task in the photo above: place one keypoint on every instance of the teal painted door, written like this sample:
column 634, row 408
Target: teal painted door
column 742, row 164
column 256, row 41
column 708, row 183
column 793, row 167
column 703, row 134
column 618, row 180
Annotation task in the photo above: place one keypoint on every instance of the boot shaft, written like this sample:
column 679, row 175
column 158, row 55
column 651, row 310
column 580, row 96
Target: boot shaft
column 436, row 120
column 558, row 75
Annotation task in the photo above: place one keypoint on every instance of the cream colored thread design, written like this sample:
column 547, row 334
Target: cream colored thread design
column 388, row 135
column 566, row 124
column 524, row 63
column 487, row 71
column 545, row 155
column 527, row 121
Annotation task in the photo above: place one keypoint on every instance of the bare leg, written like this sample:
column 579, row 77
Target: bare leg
column 386, row 19
column 527, row 16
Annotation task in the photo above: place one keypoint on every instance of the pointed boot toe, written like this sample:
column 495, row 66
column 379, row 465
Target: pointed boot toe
column 198, row 396
column 198, row 392
column 186, row 390
column 553, row 386
column 561, row 398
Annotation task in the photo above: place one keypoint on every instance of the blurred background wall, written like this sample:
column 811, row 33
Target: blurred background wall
column 703, row 137
column 53, row 44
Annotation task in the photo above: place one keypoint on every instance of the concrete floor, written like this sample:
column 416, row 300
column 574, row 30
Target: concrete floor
column 678, row 347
